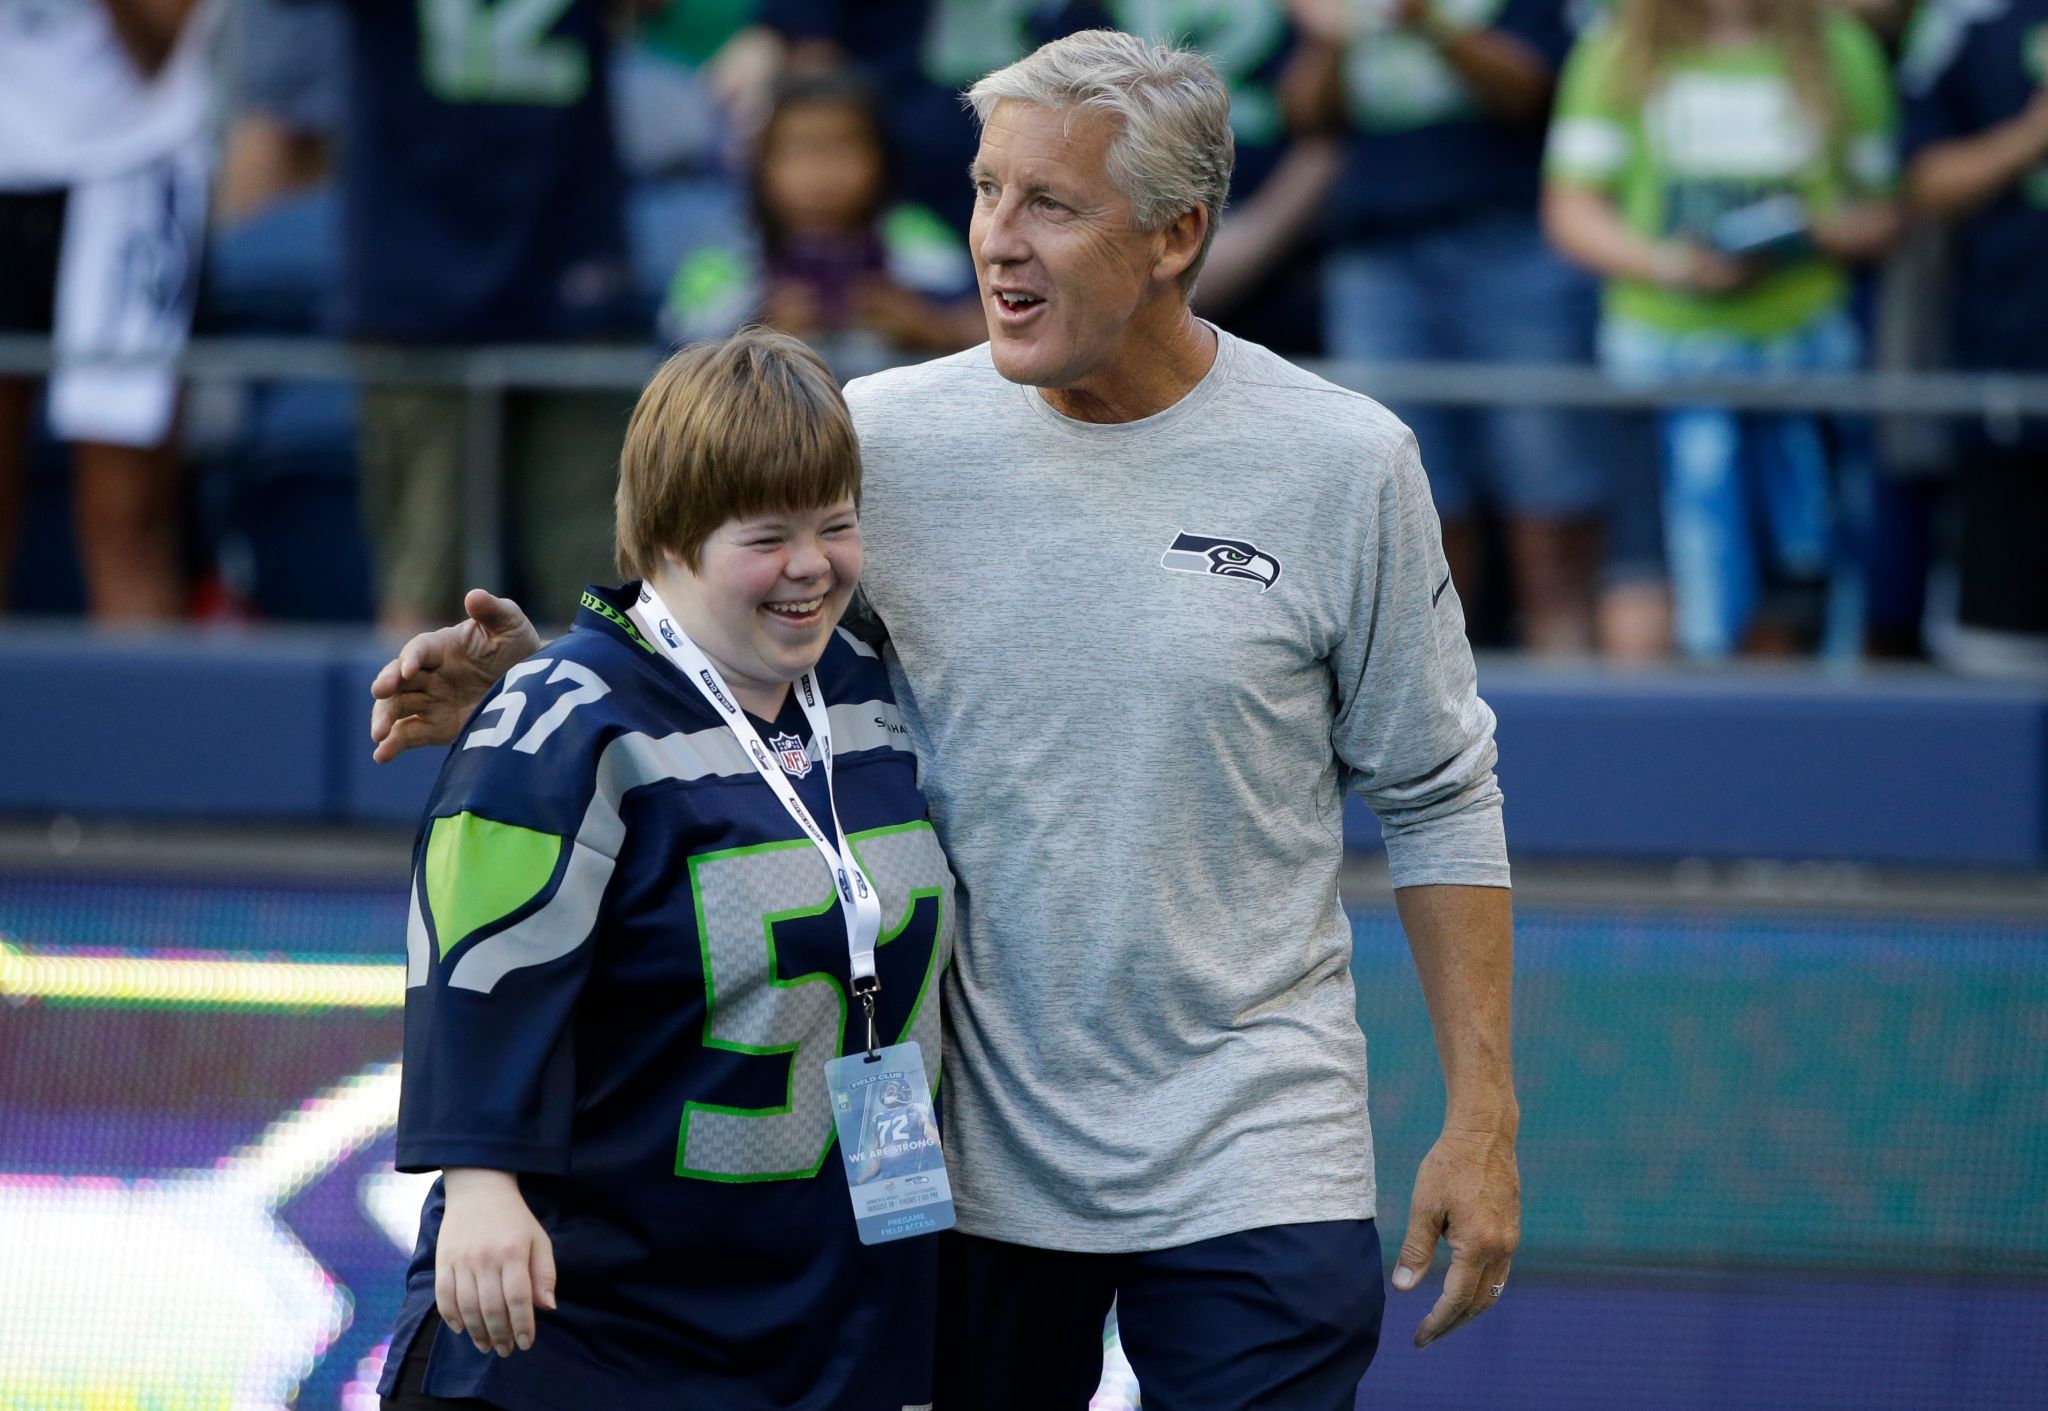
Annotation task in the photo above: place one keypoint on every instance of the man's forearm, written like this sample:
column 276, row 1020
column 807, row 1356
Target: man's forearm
column 1951, row 180
column 1586, row 228
column 1259, row 234
column 1462, row 939
column 1509, row 79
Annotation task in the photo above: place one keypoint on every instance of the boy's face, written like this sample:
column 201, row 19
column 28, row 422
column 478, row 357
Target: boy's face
column 767, row 593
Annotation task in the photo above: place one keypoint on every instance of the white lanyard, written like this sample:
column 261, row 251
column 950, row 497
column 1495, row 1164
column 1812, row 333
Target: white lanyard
column 860, row 908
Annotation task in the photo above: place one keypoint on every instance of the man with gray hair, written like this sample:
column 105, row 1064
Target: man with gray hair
column 1154, row 599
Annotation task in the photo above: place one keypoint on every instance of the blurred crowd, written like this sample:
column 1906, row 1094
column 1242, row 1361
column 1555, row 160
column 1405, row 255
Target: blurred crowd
column 1662, row 188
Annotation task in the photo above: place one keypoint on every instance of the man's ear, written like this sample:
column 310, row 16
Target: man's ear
column 1180, row 242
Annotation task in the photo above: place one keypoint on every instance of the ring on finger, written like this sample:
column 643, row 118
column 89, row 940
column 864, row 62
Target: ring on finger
column 1498, row 1289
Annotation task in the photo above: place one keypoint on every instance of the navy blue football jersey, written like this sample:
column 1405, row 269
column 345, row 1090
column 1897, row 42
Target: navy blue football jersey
column 1422, row 153
column 1968, row 70
column 483, row 195
column 626, row 970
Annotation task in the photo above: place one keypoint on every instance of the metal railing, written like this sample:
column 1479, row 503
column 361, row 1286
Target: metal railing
column 489, row 374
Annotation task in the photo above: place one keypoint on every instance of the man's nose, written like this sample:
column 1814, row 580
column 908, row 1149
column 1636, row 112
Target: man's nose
column 1000, row 239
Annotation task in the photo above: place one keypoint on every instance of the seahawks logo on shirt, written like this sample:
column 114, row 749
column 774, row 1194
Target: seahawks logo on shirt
column 1221, row 558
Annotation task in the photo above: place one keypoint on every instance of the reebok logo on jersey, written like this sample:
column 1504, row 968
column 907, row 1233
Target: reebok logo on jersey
column 796, row 760
column 1221, row 558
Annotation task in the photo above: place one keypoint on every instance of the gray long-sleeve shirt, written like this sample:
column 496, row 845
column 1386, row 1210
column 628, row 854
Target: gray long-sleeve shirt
column 1140, row 663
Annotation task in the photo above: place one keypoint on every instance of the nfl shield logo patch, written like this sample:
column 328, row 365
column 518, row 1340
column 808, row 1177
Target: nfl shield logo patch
column 795, row 758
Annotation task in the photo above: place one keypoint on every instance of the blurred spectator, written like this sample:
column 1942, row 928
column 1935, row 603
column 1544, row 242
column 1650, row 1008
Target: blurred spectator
column 483, row 202
column 919, row 54
column 1440, row 257
column 1976, row 80
column 1887, row 19
column 682, row 151
column 674, row 123
column 288, row 97
column 275, row 248
column 1263, row 279
column 1720, row 161
column 833, row 257
column 103, row 175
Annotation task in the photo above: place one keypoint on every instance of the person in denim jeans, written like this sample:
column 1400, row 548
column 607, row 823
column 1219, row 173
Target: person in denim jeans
column 1749, row 497
column 1720, row 163
column 1433, row 221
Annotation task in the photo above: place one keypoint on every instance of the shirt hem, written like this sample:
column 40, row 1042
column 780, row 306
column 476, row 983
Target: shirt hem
column 1424, row 875
column 1113, row 1234
column 421, row 1155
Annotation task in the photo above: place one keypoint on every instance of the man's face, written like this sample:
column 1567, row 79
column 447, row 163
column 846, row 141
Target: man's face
column 1062, row 271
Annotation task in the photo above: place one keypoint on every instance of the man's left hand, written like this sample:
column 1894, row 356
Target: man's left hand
column 1469, row 1191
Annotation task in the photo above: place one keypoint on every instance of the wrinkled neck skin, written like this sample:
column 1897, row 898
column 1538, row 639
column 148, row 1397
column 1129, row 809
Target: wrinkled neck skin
column 1164, row 351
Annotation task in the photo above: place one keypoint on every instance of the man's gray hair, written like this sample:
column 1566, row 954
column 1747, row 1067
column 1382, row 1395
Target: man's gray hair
column 1173, row 149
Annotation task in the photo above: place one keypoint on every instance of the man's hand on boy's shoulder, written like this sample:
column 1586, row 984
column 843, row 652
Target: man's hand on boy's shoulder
column 423, row 694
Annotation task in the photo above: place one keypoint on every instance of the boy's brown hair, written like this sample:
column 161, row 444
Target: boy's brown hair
column 746, row 425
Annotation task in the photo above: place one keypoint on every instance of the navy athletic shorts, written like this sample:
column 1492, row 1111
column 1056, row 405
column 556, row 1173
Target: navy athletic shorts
column 1285, row 1318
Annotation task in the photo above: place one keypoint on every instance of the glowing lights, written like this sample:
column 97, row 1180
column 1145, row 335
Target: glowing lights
column 171, row 1294
column 195, row 981
column 393, row 1200
column 361, row 1392
column 149, row 1259
column 182, row 1292
column 302, row 1146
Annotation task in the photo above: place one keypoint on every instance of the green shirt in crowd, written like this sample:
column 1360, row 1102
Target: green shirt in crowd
column 718, row 288
column 1722, row 130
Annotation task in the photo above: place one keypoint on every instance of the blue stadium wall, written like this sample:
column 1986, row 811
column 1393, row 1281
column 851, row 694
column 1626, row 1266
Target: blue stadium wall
column 1901, row 769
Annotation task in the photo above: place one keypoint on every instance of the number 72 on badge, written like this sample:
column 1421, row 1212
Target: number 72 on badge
column 889, row 1143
